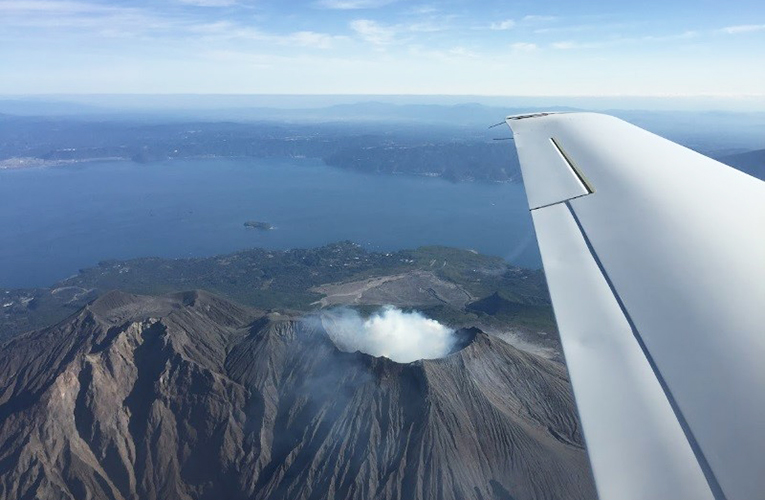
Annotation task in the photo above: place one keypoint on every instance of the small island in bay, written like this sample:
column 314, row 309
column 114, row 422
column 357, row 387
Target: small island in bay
column 263, row 226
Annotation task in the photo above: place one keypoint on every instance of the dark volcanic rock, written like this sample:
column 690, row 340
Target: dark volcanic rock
column 190, row 396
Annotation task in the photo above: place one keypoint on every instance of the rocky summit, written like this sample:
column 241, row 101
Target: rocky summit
column 189, row 396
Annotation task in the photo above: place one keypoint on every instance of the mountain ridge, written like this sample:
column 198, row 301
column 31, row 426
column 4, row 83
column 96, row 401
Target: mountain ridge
column 192, row 396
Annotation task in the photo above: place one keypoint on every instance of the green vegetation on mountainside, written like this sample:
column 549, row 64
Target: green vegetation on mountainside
column 270, row 279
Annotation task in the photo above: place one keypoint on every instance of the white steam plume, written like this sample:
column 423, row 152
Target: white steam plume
column 401, row 336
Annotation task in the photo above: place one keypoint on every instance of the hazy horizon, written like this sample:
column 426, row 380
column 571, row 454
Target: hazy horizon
column 129, row 101
column 555, row 48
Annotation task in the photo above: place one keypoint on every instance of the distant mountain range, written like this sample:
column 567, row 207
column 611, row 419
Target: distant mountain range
column 451, row 152
column 360, row 109
column 190, row 396
column 436, row 140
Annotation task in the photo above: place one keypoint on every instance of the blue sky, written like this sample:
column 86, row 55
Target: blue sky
column 680, row 48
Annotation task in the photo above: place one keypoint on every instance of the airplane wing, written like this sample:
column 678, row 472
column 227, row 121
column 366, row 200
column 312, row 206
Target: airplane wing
column 655, row 260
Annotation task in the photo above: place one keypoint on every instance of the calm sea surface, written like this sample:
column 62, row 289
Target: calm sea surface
column 54, row 221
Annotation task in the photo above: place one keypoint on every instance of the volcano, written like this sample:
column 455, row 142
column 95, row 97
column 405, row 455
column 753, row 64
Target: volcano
column 190, row 396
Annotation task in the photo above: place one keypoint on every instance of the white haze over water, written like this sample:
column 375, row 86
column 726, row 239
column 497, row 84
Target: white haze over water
column 398, row 335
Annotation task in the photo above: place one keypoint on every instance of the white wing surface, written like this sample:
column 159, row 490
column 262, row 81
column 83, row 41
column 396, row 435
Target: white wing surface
column 655, row 260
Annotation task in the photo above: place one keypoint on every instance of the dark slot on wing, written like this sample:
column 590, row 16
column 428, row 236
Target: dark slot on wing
column 579, row 174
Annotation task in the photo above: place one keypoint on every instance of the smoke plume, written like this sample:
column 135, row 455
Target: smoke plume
column 400, row 336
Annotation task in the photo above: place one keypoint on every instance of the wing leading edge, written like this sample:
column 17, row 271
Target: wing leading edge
column 655, row 260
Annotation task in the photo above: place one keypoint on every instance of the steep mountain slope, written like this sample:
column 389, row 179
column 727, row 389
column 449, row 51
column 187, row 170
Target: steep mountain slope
column 190, row 396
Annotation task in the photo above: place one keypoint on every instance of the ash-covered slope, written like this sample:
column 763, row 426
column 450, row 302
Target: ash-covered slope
column 190, row 396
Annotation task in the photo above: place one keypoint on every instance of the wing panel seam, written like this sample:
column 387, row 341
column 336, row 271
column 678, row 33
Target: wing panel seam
column 709, row 475
column 559, row 202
